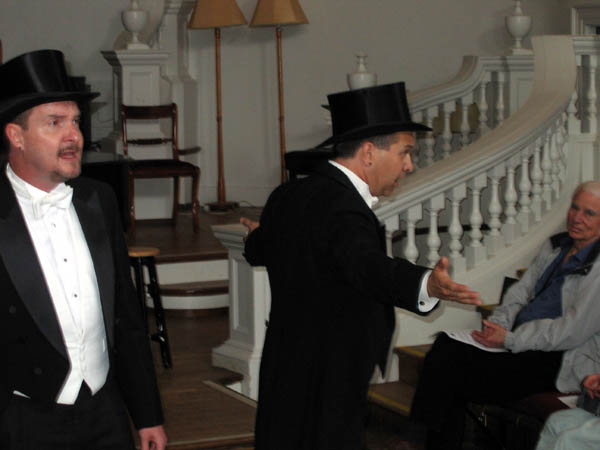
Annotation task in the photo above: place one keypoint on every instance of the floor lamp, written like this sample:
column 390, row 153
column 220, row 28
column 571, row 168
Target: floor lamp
column 217, row 14
column 278, row 13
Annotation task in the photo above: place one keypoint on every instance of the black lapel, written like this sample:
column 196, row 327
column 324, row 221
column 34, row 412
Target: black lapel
column 22, row 264
column 93, row 223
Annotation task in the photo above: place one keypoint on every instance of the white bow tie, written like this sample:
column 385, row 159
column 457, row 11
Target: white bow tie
column 59, row 198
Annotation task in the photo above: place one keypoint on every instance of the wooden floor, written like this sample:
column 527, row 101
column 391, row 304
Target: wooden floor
column 199, row 413
column 179, row 243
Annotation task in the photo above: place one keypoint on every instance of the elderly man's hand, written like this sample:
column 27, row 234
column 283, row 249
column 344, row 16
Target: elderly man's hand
column 440, row 285
column 492, row 335
column 592, row 385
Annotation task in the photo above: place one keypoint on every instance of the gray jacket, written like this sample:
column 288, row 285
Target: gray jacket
column 576, row 332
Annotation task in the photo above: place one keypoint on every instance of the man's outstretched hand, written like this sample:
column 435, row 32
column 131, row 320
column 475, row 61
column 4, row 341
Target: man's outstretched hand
column 440, row 285
column 250, row 224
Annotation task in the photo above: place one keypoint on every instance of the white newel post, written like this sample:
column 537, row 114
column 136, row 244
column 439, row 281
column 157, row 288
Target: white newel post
column 136, row 81
column 249, row 305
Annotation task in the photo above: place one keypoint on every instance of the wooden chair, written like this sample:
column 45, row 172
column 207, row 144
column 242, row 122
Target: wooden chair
column 158, row 168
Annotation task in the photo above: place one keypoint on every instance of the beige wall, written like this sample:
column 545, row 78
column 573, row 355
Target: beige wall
column 418, row 41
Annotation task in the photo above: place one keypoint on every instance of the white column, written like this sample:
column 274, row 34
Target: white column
column 434, row 205
column 524, row 216
column 413, row 215
column 465, row 127
column 482, row 105
column 547, row 171
column 493, row 240
column 500, row 98
column 475, row 251
column 429, row 140
column 447, row 109
column 249, row 305
column 574, row 124
column 536, row 178
column 458, row 262
column 136, row 81
column 592, row 118
column 511, row 229
column 392, row 224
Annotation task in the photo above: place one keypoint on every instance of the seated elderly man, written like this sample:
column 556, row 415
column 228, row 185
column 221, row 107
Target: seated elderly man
column 578, row 428
column 549, row 323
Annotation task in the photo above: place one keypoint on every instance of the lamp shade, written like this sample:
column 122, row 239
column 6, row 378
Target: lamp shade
column 216, row 14
column 278, row 12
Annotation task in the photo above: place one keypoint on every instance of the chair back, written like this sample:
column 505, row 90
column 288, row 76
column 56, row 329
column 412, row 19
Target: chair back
column 150, row 113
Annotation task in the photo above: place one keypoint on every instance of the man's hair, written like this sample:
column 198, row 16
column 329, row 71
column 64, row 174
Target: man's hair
column 348, row 149
column 21, row 120
column 593, row 187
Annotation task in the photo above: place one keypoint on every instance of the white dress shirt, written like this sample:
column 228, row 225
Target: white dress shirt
column 69, row 273
column 425, row 302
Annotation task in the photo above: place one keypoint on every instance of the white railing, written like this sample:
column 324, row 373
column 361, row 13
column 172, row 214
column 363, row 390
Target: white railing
column 483, row 93
column 489, row 207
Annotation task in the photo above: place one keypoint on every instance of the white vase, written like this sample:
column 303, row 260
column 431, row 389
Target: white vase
column 361, row 78
column 134, row 19
column 518, row 25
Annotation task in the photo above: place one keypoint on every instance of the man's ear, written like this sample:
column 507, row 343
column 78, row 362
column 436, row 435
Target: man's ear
column 366, row 153
column 14, row 133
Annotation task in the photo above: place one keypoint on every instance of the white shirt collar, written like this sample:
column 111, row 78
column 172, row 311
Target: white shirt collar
column 358, row 183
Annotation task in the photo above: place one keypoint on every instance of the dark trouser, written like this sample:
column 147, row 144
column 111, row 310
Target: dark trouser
column 455, row 374
column 98, row 422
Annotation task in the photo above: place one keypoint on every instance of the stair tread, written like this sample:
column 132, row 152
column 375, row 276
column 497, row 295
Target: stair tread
column 195, row 288
column 395, row 396
column 417, row 351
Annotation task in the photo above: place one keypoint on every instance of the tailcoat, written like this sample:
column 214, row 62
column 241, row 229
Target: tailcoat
column 35, row 360
column 333, row 291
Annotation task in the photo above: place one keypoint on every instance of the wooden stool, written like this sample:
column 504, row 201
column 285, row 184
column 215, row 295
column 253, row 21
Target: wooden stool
column 138, row 258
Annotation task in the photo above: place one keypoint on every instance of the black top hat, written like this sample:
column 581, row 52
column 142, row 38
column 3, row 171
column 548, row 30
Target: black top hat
column 35, row 78
column 369, row 112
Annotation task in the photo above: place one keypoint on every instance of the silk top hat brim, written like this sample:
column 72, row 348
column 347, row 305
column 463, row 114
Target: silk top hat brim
column 368, row 112
column 33, row 79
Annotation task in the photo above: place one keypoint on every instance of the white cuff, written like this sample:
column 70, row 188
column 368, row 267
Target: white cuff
column 425, row 302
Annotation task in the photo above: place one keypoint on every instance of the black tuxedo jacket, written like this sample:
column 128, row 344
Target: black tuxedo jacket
column 35, row 359
column 333, row 290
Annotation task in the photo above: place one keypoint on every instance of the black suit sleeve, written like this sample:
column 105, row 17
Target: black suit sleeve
column 357, row 256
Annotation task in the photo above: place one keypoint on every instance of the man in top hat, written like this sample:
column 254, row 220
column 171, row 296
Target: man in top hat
column 76, row 355
column 333, row 287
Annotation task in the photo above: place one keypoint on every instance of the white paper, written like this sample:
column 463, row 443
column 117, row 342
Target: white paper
column 465, row 336
column 569, row 400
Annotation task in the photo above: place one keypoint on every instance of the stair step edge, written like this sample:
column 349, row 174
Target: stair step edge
column 195, row 288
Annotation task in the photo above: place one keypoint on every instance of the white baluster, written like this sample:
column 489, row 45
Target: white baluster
column 475, row 251
column 446, row 137
column 511, row 228
column 416, row 153
column 591, row 95
column 537, row 177
column 561, row 140
column 428, row 140
column 574, row 123
column 465, row 127
column 555, row 159
column 392, row 225
column 500, row 99
column 494, row 239
column 547, row 170
column 413, row 215
column 458, row 262
column 524, row 216
column 482, row 105
column 433, row 238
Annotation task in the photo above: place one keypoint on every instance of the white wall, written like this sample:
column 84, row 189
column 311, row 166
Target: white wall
column 420, row 42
